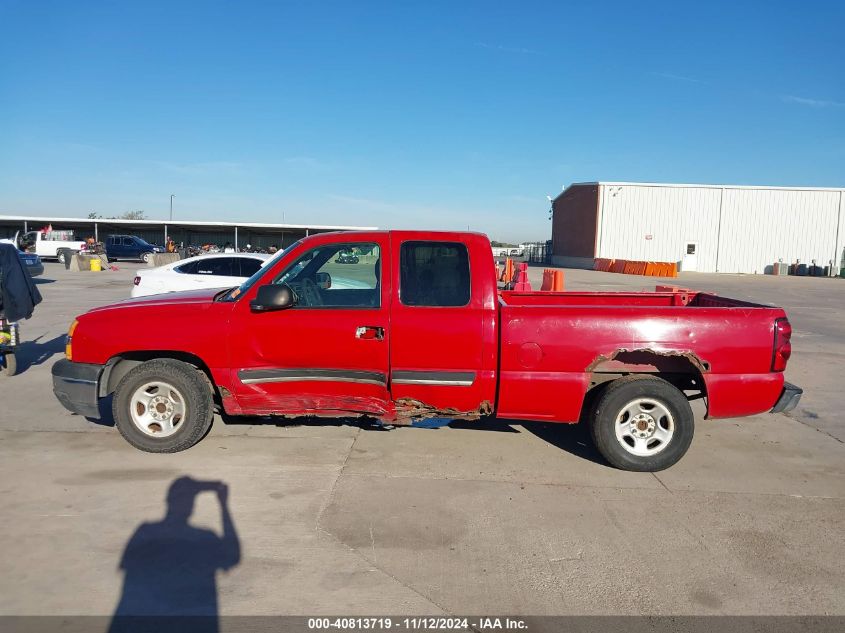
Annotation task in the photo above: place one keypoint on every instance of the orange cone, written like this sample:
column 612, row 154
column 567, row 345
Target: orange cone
column 522, row 284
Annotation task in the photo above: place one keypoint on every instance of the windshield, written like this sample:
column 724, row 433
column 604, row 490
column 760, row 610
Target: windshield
column 234, row 293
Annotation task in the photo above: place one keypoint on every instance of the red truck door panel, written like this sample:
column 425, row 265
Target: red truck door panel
column 438, row 343
column 329, row 352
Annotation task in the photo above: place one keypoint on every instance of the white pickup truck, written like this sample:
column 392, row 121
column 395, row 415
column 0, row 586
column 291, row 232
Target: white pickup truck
column 58, row 245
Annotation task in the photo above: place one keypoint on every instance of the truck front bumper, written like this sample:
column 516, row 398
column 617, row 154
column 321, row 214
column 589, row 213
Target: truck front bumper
column 76, row 385
column 789, row 398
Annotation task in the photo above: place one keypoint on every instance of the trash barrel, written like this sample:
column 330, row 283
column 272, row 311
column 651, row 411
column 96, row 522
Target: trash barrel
column 96, row 264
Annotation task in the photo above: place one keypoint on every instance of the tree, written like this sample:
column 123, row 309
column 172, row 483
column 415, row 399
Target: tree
column 139, row 214
column 94, row 216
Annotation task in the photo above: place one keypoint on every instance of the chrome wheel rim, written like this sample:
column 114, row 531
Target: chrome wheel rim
column 644, row 427
column 157, row 409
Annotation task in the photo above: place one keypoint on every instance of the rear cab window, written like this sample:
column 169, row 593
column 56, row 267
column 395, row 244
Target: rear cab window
column 434, row 274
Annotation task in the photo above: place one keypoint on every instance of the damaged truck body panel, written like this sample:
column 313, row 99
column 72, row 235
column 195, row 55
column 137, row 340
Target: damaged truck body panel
column 418, row 328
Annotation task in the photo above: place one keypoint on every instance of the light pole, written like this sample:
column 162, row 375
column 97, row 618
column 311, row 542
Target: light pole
column 171, row 206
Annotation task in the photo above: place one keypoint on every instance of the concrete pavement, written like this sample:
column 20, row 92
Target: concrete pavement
column 499, row 519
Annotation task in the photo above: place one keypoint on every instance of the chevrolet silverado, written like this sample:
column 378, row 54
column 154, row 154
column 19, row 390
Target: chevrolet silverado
column 425, row 332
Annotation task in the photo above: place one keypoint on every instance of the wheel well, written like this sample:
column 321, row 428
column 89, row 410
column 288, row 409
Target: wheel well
column 118, row 366
column 684, row 371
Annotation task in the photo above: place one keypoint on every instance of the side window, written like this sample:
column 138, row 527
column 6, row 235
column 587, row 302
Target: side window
column 336, row 276
column 217, row 266
column 128, row 241
column 187, row 269
column 434, row 274
column 248, row 266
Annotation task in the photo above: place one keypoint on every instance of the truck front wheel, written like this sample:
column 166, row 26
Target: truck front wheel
column 163, row 406
column 642, row 423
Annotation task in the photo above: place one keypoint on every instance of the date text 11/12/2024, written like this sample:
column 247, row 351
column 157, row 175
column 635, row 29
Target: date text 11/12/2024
column 418, row 624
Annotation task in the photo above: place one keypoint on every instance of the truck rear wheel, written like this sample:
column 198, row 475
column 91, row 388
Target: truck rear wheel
column 63, row 255
column 163, row 406
column 642, row 423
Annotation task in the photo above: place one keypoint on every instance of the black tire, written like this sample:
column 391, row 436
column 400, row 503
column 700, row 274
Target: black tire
column 62, row 255
column 189, row 382
column 610, row 411
column 146, row 257
column 8, row 365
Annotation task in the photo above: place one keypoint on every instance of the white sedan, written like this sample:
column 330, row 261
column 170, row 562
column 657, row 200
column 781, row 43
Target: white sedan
column 223, row 270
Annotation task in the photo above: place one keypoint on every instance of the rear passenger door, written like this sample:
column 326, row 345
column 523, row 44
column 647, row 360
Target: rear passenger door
column 436, row 324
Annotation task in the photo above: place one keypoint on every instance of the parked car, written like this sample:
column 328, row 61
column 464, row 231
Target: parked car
column 130, row 247
column 347, row 257
column 205, row 271
column 426, row 334
column 32, row 262
column 214, row 271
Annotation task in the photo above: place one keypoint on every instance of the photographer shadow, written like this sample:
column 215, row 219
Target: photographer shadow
column 170, row 566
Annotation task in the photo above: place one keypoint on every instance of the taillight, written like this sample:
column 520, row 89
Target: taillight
column 783, row 348
column 137, row 280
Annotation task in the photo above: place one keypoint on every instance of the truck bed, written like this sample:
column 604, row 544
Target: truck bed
column 657, row 299
column 559, row 343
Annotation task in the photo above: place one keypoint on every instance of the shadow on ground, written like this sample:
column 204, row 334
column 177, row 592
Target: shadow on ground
column 571, row 438
column 106, row 416
column 35, row 352
column 170, row 566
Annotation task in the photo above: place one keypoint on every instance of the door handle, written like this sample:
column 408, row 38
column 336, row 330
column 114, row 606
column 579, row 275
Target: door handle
column 369, row 333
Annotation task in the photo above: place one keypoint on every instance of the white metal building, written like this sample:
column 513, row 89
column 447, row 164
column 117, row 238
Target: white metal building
column 708, row 228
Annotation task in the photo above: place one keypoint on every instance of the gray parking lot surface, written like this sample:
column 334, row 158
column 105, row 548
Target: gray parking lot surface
column 497, row 519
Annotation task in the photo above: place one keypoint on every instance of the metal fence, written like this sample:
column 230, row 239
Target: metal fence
column 538, row 252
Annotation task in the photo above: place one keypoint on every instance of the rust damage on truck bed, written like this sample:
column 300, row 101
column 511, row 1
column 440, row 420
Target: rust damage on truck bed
column 408, row 409
column 647, row 359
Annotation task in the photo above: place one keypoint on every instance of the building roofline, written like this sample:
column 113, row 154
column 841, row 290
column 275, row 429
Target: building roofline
column 696, row 186
column 197, row 223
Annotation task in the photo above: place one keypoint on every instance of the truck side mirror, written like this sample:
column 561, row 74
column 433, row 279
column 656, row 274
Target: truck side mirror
column 273, row 297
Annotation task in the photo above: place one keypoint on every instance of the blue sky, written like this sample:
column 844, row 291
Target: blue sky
column 407, row 114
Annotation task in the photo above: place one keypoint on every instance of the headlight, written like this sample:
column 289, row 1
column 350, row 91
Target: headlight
column 68, row 350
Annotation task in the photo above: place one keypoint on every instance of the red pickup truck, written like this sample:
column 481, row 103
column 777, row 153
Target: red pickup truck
column 415, row 326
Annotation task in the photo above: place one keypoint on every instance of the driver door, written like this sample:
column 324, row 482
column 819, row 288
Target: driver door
column 328, row 352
